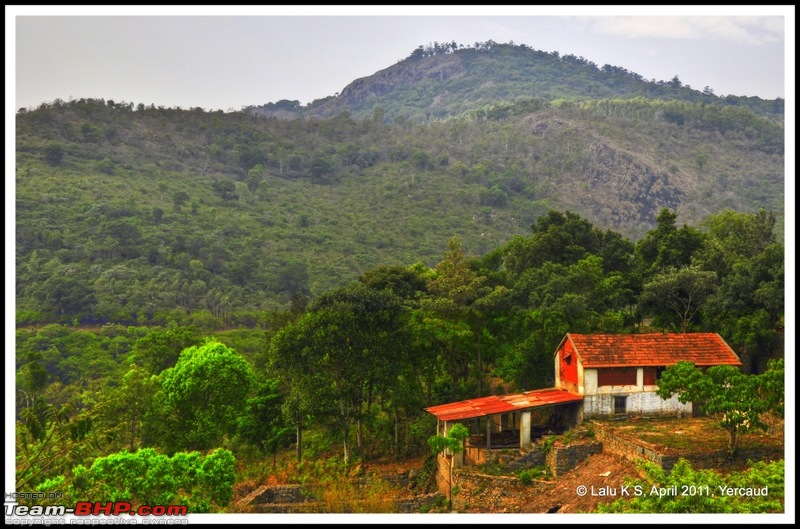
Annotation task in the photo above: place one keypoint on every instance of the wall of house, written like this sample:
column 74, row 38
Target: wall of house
column 591, row 385
column 567, row 365
column 642, row 403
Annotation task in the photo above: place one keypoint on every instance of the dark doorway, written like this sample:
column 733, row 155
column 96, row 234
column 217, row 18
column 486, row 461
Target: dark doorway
column 620, row 404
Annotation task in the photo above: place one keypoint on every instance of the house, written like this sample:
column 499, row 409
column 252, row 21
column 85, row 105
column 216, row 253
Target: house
column 596, row 375
column 617, row 373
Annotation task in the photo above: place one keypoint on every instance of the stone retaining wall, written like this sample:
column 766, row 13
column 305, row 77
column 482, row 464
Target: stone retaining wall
column 290, row 499
column 630, row 449
column 562, row 459
column 278, row 494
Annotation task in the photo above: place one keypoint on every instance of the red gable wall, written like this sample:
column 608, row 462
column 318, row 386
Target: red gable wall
column 568, row 370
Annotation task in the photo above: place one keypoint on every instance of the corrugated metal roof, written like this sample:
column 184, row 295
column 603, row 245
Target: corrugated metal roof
column 494, row 404
column 642, row 350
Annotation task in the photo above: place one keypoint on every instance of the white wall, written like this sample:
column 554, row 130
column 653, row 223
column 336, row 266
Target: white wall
column 599, row 400
column 644, row 403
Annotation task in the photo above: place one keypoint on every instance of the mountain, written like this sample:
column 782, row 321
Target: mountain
column 448, row 79
column 127, row 211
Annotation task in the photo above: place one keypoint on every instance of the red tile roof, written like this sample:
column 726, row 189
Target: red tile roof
column 494, row 404
column 617, row 350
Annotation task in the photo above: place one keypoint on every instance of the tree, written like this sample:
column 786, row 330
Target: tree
column 736, row 400
column 145, row 477
column 126, row 405
column 179, row 198
column 106, row 166
column 203, row 395
column 450, row 445
column 677, row 294
column 667, row 246
column 339, row 353
column 262, row 422
column 254, row 177
column 161, row 348
column 449, row 319
column 54, row 154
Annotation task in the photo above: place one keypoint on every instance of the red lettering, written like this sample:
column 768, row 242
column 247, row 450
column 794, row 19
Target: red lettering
column 103, row 508
column 83, row 508
column 158, row 510
column 121, row 507
column 177, row 510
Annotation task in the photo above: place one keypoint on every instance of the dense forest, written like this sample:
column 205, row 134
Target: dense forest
column 125, row 214
column 199, row 290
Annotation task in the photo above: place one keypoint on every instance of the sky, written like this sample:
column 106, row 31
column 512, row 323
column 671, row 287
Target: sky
column 228, row 58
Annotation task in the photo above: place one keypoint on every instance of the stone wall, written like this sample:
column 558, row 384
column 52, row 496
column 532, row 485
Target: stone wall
column 290, row 499
column 278, row 494
column 633, row 450
column 562, row 459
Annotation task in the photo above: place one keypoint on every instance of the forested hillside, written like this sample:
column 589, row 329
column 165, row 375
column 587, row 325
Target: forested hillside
column 126, row 211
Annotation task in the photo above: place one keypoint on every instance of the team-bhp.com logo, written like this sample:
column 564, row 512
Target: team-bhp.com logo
column 54, row 514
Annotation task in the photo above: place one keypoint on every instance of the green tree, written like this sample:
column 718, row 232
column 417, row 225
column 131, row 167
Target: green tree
column 676, row 295
column 54, row 154
column 204, row 395
column 338, row 353
column 106, row 166
column 262, row 422
column 449, row 318
column 666, row 246
column 160, row 348
column 180, row 198
column 449, row 445
column 50, row 439
column 254, row 177
column 145, row 477
column 125, row 406
column 736, row 400
column 748, row 306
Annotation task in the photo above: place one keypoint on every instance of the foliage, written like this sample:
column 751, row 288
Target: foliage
column 450, row 444
column 201, row 397
column 146, row 477
column 527, row 476
column 161, row 348
column 262, row 422
column 738, row 401
column 206, row 216
column 453, row 442
column 49, row 440
column 686, row 490
column 676, row 295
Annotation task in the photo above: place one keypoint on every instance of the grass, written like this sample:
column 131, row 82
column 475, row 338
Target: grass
column 693, row 434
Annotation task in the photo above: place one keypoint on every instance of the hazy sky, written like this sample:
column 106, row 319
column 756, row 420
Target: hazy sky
column 227, row 58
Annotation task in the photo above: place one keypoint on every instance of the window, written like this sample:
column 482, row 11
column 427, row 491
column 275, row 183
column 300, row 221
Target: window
column 620, row 404
column 568, row 359
column 616, row 376
column 649, row 376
